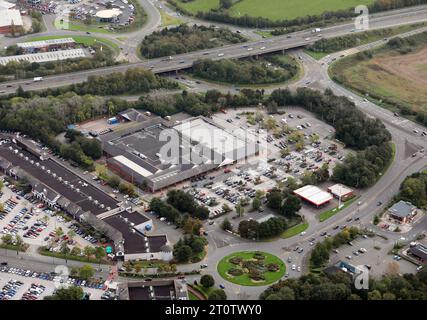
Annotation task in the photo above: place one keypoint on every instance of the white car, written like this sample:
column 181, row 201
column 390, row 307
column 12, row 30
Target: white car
column 294, row 267
column 299, row 269
column 262, row 48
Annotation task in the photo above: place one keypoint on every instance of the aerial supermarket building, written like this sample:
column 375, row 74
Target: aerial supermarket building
column 314, row 195
column 135, row 153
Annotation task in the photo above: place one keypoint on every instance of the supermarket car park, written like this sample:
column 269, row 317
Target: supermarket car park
column 17, row 284
column 35, row 223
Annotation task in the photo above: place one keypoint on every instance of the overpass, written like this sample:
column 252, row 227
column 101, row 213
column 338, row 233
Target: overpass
column 235, row 51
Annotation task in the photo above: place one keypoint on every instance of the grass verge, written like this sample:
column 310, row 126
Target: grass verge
column 330, row 213
column 293, row 231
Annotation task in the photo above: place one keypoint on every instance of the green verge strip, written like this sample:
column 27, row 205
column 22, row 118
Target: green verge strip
column 327, row 214
column 293, row 231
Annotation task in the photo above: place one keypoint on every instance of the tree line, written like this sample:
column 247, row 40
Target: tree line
column 339, row 286
column 184, row 38
column 414, row 190
column 252, row 229
column 248, row 71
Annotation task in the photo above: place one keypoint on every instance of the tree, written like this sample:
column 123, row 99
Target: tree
column 99, row 254
column 76, row 251
column 71, row 293
column 226, row 225
column 192, row 226
column 291, row 206
column 207, row 281
column 88, row 251
column 240, row 210
column 65, row 250
column 256, row 203
column 274, row 199
column 217, row 294
column 182, row 253
column 86, row 272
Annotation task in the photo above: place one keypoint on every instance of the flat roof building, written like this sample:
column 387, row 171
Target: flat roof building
column 10, row 21
column 340, row 191
column 46, row 45
column 139, row 153
column 170, row 289
column 4, row 5
column 45, row 56
column 314, row 195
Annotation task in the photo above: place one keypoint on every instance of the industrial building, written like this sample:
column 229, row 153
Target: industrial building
column 314, row 195
column 164, row 289
column 61, row 189
column 45, row 56
column 10, row 21
column 47, row 45
column 136, row 153
column 341, row 192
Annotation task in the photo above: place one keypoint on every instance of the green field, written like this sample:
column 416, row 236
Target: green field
column 327, row 214
column 295, row 230
column 275, row 9
column 248, row 256
column 86, row 40
column 393, row 80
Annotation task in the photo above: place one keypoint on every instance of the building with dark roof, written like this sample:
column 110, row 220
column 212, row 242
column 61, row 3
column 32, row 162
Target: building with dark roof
column 138, row 153
column 170, row 289
column 60, row 188
column 418, row 251
column 137, row 245
column 402, row 211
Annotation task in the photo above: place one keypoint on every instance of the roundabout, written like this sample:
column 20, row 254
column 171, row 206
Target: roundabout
column 251, row 268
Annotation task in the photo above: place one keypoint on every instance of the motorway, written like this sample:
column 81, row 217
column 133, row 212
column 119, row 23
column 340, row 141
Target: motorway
column 254, row 48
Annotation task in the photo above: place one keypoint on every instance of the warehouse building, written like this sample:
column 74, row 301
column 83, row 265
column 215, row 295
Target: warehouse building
column 47, row 45
column 45, row 56
column 314, row 195
column 137, row 153
column 10, row 21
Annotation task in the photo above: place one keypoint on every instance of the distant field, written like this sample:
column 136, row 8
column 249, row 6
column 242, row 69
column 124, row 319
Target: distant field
column 275, row 9
column 400, row 80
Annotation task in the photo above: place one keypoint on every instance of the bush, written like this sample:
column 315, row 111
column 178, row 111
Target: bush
column 235, row 272
column 207, row 281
